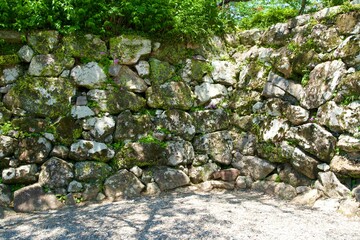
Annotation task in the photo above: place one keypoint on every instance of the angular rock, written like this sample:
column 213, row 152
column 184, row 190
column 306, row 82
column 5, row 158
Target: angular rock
column 243, row 122
column 143, row 68
column 326, row 38
column 347, row 23
column 60, row 152
column 275, row 130
column 169, row 178
column 7, row 146
column 26, row 53
column 331, row 186
column 43, row 42
column 322, row 84
column 90, row 150
column 349, row 208
column 277, row 86
column 170, row 95
column 227, row 175
column 32, row 198
column 24, row 174
column 250, row 37
column 202, row 173
column 349, row 50
column 160, row 72
column 288, row 175
column 245, row 143
column 129, row 49
column 207, row 91
column 56, row 173
column 252, row 166
column 314, row 139
column 296, row 114
column 343, row 166
column 285, row 191
column 10, row 75
column 136, row 171
column 140, row 154
column 89, row 171
column 90, row 75
column 243, row 182
column 308, row 198
column 100, row 127
column 224, row 72
column 179, row 153
column 178, row 122
column 75, row 187
column 330, row 205
column 218, row 145
column 5, row 195
column 152, row 189
column 40, row 96
column 33, row 150
column 132, row 127
column 129, row 80
column 84, row 46
column 348, row 143
column 116, row 100
column 79, row 112
column 49, row 65
column 340, row 118
column 207, row 121
column 267, row 187
column 123, row 184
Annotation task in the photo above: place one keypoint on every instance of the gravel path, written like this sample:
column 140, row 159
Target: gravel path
column 215, row 215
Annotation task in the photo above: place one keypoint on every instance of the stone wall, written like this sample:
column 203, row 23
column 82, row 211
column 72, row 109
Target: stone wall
column 276, row 110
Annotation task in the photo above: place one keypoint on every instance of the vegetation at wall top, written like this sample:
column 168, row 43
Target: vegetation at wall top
column 188, row 20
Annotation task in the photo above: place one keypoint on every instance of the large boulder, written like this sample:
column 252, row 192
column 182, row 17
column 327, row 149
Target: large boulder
column 40, row 96
column 207, row 121
column 179, row 153
column 43, row 42
column 345, row 167
column 314, row 139
column 90, row 150
column 123, row 184
column 49, row 65
column 33, row 149
column 224, row 72
column 218, row 145
column 129, row 49
column 33, row 198
column 140, row 154
column 90, row 75
column 326, row 38
column 340, row 118
column 84, row 46
column 170, row 95
column 290, row 176
column 207, row 91
column 322, row 84
column 169, row 178
column 202, row 173
column 252, row 166
column 177, row 122
column 115, row 101
column 245, row 143
column 331, row 186
column 160, row 72
column 56, row 173
column 24, row 174
column 129, row 80
column 89, row 171
column 132, row 127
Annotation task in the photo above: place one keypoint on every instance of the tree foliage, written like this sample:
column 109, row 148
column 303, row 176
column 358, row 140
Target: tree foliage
column 187, row 19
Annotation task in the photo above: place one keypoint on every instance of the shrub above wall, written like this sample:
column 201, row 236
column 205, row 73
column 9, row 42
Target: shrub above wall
column 85, row 119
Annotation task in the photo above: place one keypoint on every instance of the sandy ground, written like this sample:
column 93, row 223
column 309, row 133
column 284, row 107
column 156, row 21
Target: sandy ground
column 215, row 215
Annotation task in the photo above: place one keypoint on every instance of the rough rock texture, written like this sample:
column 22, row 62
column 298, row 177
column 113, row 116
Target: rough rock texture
column 169, row 178
column 123, row 184
column 202, row 173
column 7, row 146
column 56, row 173
column 331, row 186
column 179, row 153
column 84, row 46
column 91, row 171
column 49, row 65
column 252, row 166
column 224, row 72
column 128, row 49
column 43, row 42
column 89, row 75
column 345, row 167
column 207, row 121
column 207, row 91
column 217, row 145
column 5, row 195
column 32, row 198
column 90, row 150
column 34, row 150
column 129, row 80
column 178, row 122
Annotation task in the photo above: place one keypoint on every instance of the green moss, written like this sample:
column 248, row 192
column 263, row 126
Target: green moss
column 11, row 59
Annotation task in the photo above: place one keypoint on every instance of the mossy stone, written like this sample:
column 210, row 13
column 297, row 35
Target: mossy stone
column 67, row 130
column 8, row 60
column 160, row 71
column 84, row 46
